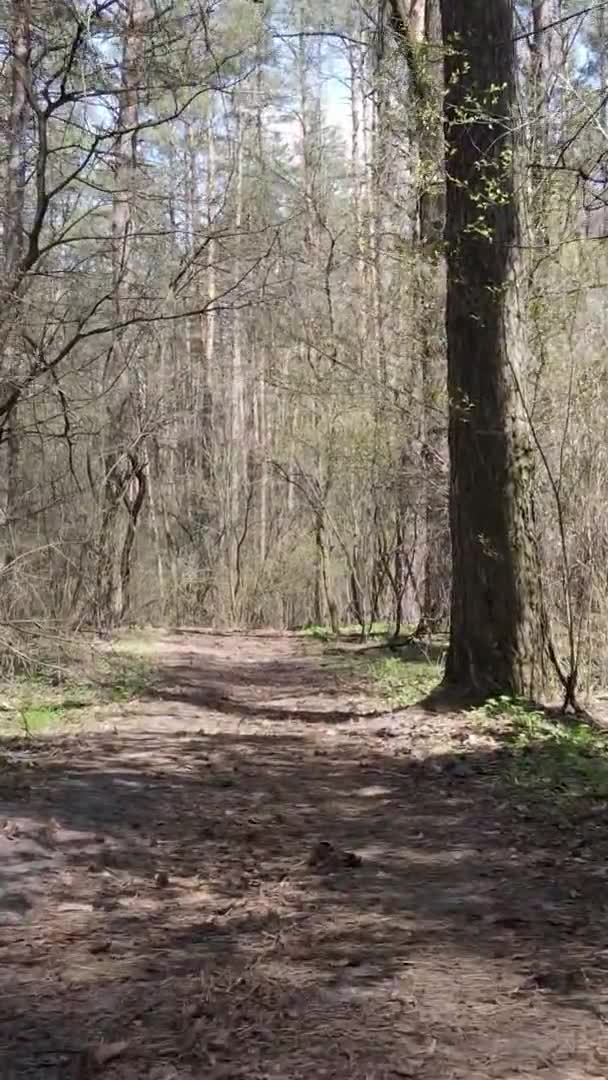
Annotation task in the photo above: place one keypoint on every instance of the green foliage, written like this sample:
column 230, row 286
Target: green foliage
column 561, row 758
column 398, row 681
column 401, row 682
column 128, row 679
column 319, row 633
column 126, row 672
column 324, row 633
column 34, row 704
column 37, row 718
column 36, row 708
column 505, row 707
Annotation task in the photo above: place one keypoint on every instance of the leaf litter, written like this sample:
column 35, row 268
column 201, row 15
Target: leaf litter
column 238, row 877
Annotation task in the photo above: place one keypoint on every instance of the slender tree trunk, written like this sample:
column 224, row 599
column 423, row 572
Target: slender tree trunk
column 122, row 467
column 237, row 479
column 133, row 501
column 158, row 549
column 545, row 113
column 497, row 626
column 324, row 579
column 13, row 245
column 357, row 184
column 602, row 62
column 421, row 32
column 435, row 606
column 544, row 66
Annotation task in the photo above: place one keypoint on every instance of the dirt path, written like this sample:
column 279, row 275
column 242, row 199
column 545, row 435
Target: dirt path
column 167, row 912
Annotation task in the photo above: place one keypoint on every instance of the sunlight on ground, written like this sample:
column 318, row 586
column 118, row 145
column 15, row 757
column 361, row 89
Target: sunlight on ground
column 49, row 700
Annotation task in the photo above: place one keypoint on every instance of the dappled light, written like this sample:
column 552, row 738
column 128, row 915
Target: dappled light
column 160, row 888
column 303, row 540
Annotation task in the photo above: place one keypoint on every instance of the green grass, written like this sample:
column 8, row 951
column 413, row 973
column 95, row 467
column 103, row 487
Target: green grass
column 37, row 718
column 325, row 633
column 562, row 759
column 399, row 682
column 35, row 704
column 32, row 715
column 402, row 682
column 128, row 679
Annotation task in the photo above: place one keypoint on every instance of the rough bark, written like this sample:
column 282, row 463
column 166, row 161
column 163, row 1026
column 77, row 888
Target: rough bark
column 496, row 635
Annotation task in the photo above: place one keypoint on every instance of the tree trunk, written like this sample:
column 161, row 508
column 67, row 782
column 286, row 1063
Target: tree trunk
column 121, row 467
column 237, row 479
column 497, row 625
column 324, row 576
column 602, row 63
column 431, row 217
column 419, row 26
column 13, row 248
column 544, row 62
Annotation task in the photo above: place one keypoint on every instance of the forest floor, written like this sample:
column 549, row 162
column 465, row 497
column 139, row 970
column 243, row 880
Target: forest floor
column 257, row 869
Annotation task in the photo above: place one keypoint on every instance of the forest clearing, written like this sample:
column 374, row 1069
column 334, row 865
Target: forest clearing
column 263, row 867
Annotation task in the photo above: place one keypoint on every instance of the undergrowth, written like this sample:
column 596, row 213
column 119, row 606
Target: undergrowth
column 325, row 633
column 402, row 682
column 563, row 758
column 43, row 701
column 397, row 681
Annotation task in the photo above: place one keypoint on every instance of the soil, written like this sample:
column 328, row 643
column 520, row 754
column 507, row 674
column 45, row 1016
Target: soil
column 259, row 872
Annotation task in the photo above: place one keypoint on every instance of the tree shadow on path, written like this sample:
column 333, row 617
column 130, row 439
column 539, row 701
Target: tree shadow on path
column 168, row 901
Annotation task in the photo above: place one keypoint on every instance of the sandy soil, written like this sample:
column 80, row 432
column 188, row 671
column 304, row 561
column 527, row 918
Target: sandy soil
column 257, row 872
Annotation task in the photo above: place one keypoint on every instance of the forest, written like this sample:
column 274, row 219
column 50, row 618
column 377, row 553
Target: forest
column 303, row 539
column 225, row 391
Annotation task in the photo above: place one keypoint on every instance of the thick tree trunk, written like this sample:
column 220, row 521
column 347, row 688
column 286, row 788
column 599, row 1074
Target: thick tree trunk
column 496, row 635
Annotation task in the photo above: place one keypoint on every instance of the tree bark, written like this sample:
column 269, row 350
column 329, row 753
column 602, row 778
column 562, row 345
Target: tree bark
column 497, row 625
column 419, row 26
column 122, row 467
column 544, row 62
column 435, row 604
column 13, row 248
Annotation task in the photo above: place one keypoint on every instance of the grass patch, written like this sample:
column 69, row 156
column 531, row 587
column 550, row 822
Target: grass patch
column 125, row 671
column 562, row 759
column 37, row 718
column 30, row 708
column 318, row 633
column 401, row 682
column 397, row 681
column 127, row 679
column 37, row 703
column 325, row 633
